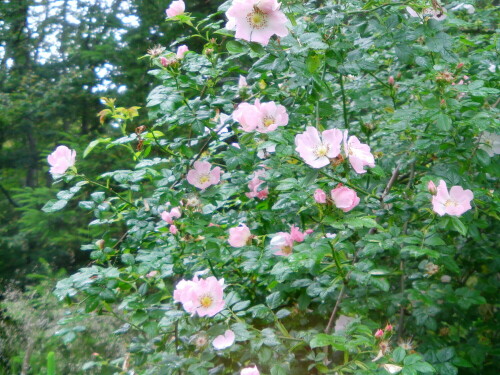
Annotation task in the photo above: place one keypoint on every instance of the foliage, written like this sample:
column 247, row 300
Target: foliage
column 390, row 79
column 40, row 336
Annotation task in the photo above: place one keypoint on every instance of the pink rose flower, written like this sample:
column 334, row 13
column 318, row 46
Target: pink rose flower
column 170, row 216
column 453, row 203
column 201, row 296
column 254, row 185
column 250, row 371
column 248, row 116
column 319, row 196
column 256, row 20
column 224, row 341
column 358, row 153
column 61, row 159
column 181, row 51
column 262, row 117
column 184, row 293
column 296, row 234
column 272, row 116
column 431, row 187
column 283, row 244
column 239, row 236
column 344, row 198
column 315, row 150
column 173, row 229
column 202, row 176
column 177, row 7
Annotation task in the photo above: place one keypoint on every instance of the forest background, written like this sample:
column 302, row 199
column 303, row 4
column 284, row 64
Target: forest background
column 57, row 59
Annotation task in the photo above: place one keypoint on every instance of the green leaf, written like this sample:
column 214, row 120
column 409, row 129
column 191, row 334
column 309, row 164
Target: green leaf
column 235, row 47
column 93, row 144
column 360, row 222
column 322, row 339
column 274, row 300
column 54, row 205
column 411, row 359
column 443, row 122
column 399, row 354
column 278, row 370
column 458, row 226
column 423, row 367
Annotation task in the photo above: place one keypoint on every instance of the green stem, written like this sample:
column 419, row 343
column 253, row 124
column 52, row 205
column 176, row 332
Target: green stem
column 108, row 189
column 344, row 103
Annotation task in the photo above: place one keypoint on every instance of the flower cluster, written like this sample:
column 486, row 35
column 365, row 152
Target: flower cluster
column 342, row 197
column 169, row 217
column 255, row 186
column 282, row 242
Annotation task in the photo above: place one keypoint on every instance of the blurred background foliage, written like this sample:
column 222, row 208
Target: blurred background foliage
column 57, row 58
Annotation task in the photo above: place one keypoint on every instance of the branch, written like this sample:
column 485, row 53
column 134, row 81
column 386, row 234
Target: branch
column 9, row 198
column 391, row 182
column 335, row 309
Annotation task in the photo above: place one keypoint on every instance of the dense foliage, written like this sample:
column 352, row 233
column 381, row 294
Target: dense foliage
column 385, row 274
column 57, row 58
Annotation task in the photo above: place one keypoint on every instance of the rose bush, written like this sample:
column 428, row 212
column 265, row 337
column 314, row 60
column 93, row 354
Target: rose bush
column 298, row 197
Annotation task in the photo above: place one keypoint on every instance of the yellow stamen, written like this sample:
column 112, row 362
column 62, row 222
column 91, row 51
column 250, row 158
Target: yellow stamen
column 206, row 301
column 204, row 179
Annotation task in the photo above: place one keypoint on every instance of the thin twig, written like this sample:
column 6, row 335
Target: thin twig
column 393, row 178
column 335, row 309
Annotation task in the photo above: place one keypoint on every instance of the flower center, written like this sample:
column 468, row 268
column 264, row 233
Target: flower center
column 206, row 301
column 286, row 250
column 450, row 202
column 268, row 121
column 321, row 151
column 257, row 19
column 204, row 179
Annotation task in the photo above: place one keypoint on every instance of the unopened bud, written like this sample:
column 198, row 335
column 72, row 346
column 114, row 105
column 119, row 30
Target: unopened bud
column 262, row 84
column 100, row 244
column 379, row 333
column 431, row 187
column 388, row 327
column 391, row 81
column 460, row 65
